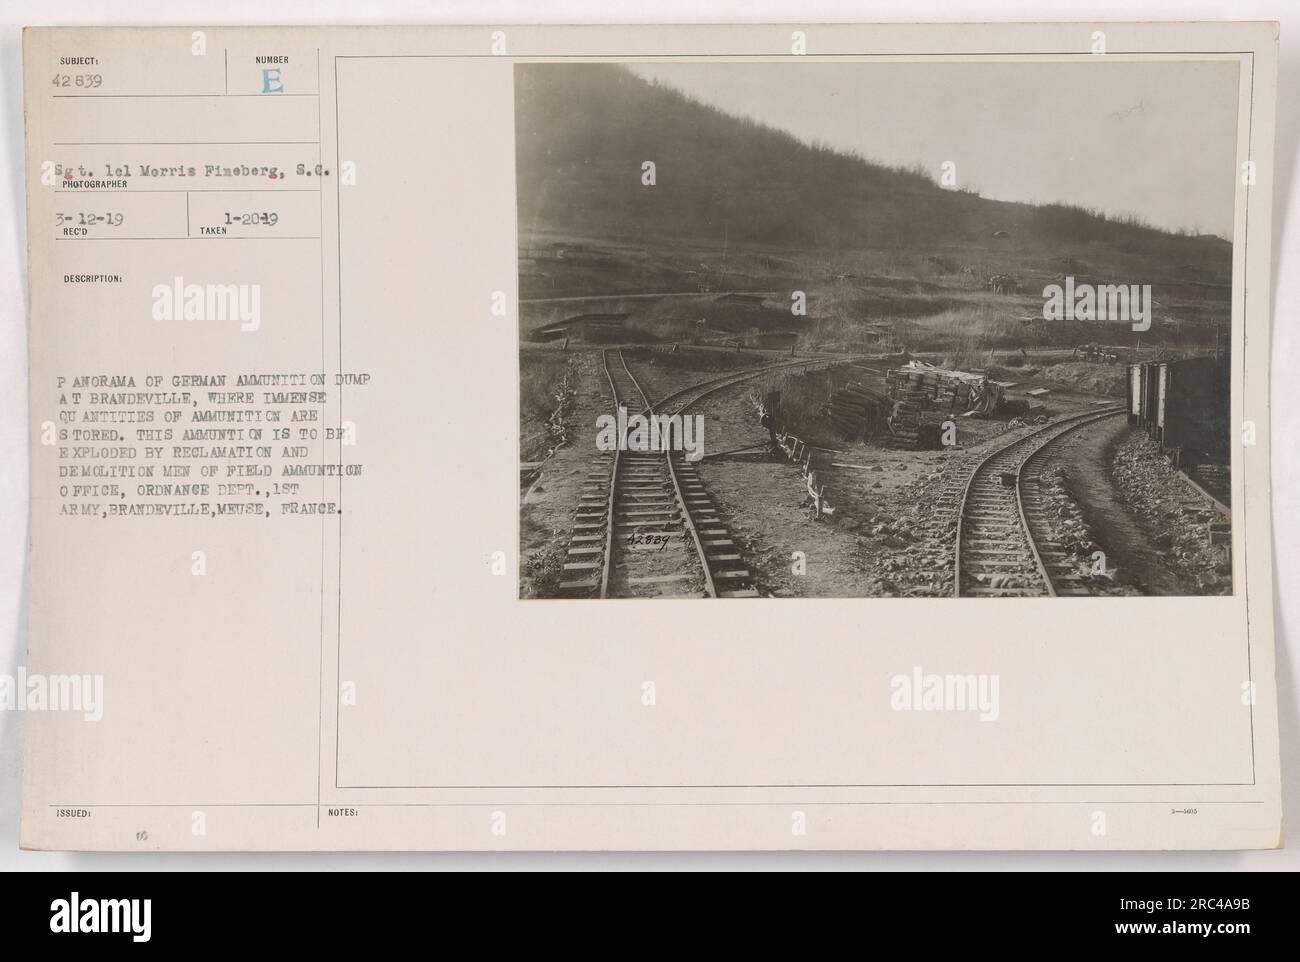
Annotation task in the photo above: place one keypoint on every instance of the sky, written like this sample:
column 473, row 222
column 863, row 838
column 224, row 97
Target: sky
column 1156, row 139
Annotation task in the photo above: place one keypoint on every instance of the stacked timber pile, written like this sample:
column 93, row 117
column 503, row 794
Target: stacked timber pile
column 924, row 397
column 912, row 427
column 906, row 418
column 857, row 412
column 952, row 392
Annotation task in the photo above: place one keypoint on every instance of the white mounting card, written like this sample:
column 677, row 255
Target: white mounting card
column 709, row 437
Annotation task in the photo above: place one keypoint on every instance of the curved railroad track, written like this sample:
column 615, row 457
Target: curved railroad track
column 679, row 401
column 646, row 527
column 1003, row 546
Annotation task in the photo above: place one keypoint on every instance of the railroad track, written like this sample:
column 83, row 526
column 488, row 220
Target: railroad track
column 679, row 401
column 1003, row 545
column 645, row 526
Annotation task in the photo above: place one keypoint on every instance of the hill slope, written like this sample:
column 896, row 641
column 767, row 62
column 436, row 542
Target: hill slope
column 584, row 130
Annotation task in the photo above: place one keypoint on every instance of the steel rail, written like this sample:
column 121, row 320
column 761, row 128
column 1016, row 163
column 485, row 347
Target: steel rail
column 1046, row 435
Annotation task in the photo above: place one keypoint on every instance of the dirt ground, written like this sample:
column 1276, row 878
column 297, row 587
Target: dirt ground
column 1091, row 516
column 1175, row 517
column 547, row 504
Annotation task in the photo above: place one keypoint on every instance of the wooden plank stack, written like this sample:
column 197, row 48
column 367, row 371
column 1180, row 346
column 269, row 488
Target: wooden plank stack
column 913, row 428
column 935, row 390
column 857, row 412
column 924, row 397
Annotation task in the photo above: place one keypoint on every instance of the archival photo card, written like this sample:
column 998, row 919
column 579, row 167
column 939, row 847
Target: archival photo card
column 904, row 388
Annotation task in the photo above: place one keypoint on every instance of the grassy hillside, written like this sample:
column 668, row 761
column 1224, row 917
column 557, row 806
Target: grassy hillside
column 888, row 259
column 584, row 130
